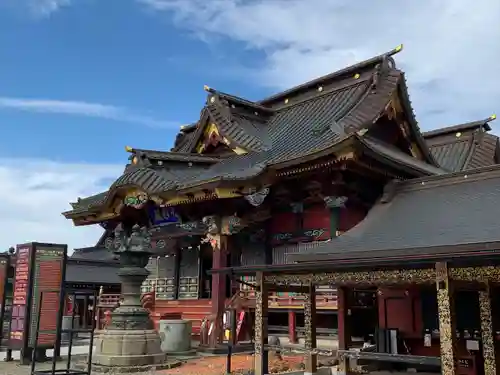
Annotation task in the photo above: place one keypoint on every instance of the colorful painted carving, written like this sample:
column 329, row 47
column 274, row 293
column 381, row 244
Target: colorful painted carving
column 257, row 198
column 136, row 200
column 334, row 202
column 232, row 224
column 160, row 216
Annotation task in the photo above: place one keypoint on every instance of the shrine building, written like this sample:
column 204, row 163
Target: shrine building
column 322, row 211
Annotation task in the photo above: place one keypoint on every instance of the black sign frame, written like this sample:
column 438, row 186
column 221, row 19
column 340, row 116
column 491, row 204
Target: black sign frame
column 24, row 344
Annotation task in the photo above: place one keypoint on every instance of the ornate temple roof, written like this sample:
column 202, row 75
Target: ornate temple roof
column 304, row 123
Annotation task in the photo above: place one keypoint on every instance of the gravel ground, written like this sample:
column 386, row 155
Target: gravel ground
column 200, row 366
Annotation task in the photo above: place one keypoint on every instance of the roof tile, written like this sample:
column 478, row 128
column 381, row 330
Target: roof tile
column 449, row 210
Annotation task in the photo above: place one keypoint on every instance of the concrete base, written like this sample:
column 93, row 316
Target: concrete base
column 128, row 349
column 175, row 335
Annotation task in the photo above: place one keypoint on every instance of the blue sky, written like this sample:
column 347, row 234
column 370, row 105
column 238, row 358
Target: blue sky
column 95, row 52
column 81, row 79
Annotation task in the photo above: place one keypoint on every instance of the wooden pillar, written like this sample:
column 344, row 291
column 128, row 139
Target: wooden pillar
column 219, row 260
column 310, row 330
column 261, row 316
column 490, row 367
column 344, row 328
column 292, row 327
column 447, row 328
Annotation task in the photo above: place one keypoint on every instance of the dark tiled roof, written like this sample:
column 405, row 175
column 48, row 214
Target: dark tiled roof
column 465, row 127
column 90, row 201
column 174, row 156
column 97, row 254
column 392, row 153
column 85, row 204
column 424, row 215
column 78, row 271
column 464, row 146
column 183, row 139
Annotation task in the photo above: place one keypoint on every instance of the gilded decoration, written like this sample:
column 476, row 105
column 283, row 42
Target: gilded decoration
column 421, row 276
column 258, row 321
column 261, row 304
column 487, row 333
column 310, row 328
column 308, row 320
column 482, row 274
column 446, row 326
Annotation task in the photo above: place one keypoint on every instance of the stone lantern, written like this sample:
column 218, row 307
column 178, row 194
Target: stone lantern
column 130, row 341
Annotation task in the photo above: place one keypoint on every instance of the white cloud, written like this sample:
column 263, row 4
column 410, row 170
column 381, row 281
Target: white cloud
column 450, row 57
column 37, row 191
column 95, row 110
column 47, row 7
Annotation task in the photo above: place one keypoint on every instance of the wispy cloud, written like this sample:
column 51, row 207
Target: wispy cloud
column 446, row 41
column 39, row 190
column 77, row 108
column 47, row 7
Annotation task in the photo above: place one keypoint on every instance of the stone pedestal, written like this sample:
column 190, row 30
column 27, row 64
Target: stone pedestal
column 130, row 348
column 175, row 336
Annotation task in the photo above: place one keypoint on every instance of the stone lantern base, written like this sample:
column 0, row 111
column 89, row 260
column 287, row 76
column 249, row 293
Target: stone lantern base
column 128, row 349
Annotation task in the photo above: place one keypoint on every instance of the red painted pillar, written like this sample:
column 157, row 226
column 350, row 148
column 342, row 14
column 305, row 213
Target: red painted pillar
column 292, row 327
column 219, row 260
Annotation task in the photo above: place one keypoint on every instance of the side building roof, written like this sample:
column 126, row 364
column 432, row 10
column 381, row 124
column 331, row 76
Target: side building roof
column 464, row 146
column 424, row 217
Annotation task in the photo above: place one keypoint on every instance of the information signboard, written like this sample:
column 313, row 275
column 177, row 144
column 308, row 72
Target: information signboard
column 47, row 278
column 39, row 268
column 4, row 271
column 21, row 296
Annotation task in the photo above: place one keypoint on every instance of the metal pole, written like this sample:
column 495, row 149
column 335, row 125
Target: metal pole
column 37, row 328
column 94, row 321
column 232, row 339
column 70, row 344
column 228, row 359
column 57, row 348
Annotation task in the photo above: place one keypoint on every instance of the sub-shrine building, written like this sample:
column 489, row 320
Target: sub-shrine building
column 322, row 210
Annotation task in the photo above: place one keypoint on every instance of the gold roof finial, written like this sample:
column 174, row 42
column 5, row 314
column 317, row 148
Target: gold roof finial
column 206, row 88
column 493, row 117
column 129, row 149
column 398, row 48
